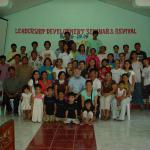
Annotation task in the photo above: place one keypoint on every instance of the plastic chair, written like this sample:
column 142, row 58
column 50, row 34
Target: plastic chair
column 128, row 111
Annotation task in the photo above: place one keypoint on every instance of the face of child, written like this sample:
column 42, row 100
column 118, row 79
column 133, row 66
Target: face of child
column 61, row 96
column 17, row 59
column 62, row 76
column 82, row 49
column 34, row 55
column 81, row 66
column 146, row 62
column 117, row 64
column 126, row 49
column 110, row 57
column 26, row 90
column 71, row 99
column 61, row 44
column 93, row 52
column 38, row 90
column 125, row 78
column 88, row 106
column 23, row 49
column 44, row 75
column 74, row 46
column 49, row 92
column 122, row 57
column 25, row 61
column 36, row 75
column 104, row 63
column 121, row 85
column 92, row 63
column 59, row 62
column 65, row 48
column 102, row 50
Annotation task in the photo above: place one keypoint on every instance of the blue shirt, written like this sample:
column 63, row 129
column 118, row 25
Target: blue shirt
column 49, row 71
column 81, row 57
column 77, row 84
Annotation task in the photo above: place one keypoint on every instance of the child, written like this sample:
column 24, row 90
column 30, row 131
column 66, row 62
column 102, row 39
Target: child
column 87, row 114
column 71, row 110
column 26, row 102
column 146, row 80
column 116, row 52
column 38, row 98
column 121, row 93
column 60, row 107
column 49, row 105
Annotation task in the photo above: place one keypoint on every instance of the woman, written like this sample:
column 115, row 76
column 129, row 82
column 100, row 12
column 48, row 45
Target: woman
column 48, row 67
column 81, row 56
column 124, row 102
column 61, row 84
column 93, row 56
column 89, row 93
column 131, row 74
column 33, row 81
column 108, row 90
column 44, row 82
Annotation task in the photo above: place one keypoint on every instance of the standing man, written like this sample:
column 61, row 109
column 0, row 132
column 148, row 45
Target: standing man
column 94, row 42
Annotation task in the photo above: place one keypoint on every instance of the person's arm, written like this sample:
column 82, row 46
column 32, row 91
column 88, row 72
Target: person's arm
column 82, row 101
column 55, row 108
column 124, row 95
column 133, row 82
column 66, row 114
column 114, row 87
column 55, row 91
column 76, row 113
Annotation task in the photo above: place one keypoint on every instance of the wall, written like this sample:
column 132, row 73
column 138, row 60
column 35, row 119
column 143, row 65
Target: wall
column 78, row 14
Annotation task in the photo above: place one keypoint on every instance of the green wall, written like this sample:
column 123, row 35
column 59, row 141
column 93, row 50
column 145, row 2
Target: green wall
column 78, row 14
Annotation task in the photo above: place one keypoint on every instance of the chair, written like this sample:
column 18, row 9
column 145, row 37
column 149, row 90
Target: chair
column 128, row 111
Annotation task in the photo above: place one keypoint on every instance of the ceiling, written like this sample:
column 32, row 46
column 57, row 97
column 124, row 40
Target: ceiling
column 18, row 5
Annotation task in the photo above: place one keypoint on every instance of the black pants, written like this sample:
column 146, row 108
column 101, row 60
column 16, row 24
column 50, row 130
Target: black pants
column 6, row 101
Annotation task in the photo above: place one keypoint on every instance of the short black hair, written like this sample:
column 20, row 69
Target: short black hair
column 89, row 81
column 11, row 68
column 38, row 86
column 25, row 87
column 71, row 94
column 115, row 46
column 23, row 47
column 125, row 46
column 34, row 42
column 82, row 61
column 46, row 60
column 95, row 32
column 67, row 32
column 138, row 43
column 17, row 55
column 3, row 57
column 13, row 44
column 49, row 88
column 61, row 72
column 47, row 42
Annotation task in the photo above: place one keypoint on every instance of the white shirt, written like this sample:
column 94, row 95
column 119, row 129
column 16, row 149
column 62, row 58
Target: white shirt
column 66, row 58
column 56, row 70
column 116, row 74
column 120, row 92
column 146, row 75
column 30, row 83
column 97, row 85
column 48, row 53
column 131, row 74
column 102, row 56
column 137, row 68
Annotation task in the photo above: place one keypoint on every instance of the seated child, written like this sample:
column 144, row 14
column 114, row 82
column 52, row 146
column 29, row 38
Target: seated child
column 87, row 114
column 49, row 105
column 26, row 102
column 60, row 107
column 121, row 93
column 37, row 114
column 71, row 110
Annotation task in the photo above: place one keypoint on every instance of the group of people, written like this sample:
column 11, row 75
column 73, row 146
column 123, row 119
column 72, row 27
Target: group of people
column 74, row 85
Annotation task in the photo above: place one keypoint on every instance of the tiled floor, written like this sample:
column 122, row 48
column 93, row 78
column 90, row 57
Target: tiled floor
column 58, row 136
column 109, row 135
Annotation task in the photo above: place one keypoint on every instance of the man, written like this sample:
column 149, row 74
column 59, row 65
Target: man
column 11, row 88
column 10, row 55
column 76, row 85
column 140, row 54
column 126, row 51
column 3, row 68
column 67, row 40
column 24, row 72
column 77, row 82
column 94, row 42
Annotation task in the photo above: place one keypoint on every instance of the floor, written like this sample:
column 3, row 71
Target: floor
column 63, row 137
column 110, row 135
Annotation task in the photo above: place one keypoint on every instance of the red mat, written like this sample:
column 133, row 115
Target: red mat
column 55, row 136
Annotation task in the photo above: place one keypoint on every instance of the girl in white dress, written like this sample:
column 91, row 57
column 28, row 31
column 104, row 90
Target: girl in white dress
column 38, row 98
column 26, row 102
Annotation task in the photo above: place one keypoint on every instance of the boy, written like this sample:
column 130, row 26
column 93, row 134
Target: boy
column 49, row 105
column 60, row 107
column 71, row 110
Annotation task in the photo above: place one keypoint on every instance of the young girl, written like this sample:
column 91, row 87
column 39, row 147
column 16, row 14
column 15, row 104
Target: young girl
column 26, row 102
column 121, row 93
column 87, row 114
column 49, row 105
column 81, row 56
column 37, row 113
column 102, row 53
